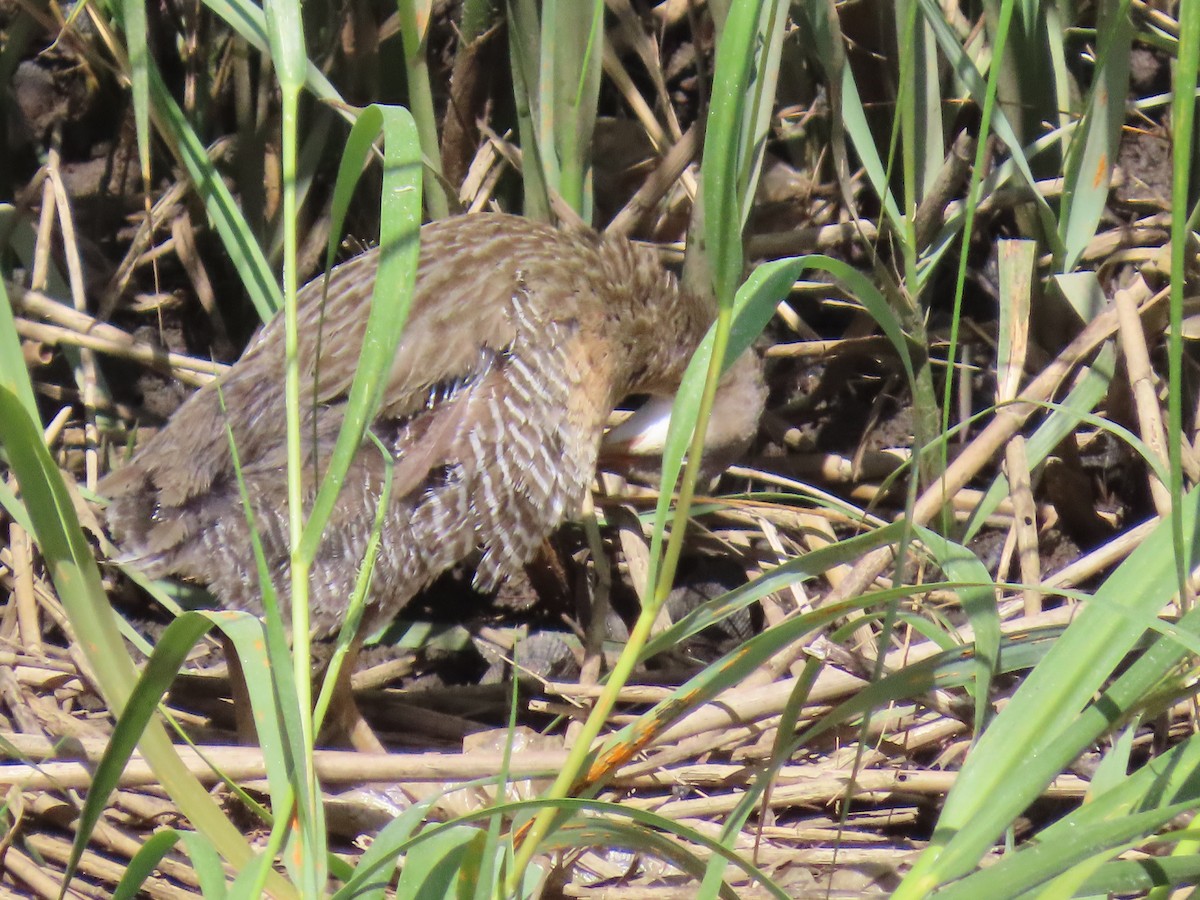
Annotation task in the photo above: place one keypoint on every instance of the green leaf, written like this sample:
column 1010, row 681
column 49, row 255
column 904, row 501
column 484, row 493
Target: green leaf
column 978, row 600
column 1095, row 142
column 1051, row 718
column 236, row 235
column 143, row 863
column 391, row 295
column 442, row 868
column 133, row 23
column 77, row 581
column 285, row 36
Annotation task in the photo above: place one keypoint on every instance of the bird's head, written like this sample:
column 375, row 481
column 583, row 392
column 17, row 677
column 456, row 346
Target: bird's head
column 732, row 426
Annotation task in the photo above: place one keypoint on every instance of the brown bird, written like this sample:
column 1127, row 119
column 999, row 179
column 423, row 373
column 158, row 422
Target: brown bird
column 520, row 342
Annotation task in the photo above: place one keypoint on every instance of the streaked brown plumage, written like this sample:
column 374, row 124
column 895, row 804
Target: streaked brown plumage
column 520, row 342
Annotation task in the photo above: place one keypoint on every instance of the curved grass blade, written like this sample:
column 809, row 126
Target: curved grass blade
column 1087, row 392
column 1051, row 716
column 448, row 859
column 77, row 581
column 169, row 655
column 753, row 306
column 583, row 813
column 143, row 863
column 602, row 829
column 391, row 296
column 414, row 31
column 729, row 670
column 798, row 569
column 236, row 235
column 612, row 833
column 373, row 873
column 978, row 599
column 1092, row 152
column 205, row 862
column 1109, row 822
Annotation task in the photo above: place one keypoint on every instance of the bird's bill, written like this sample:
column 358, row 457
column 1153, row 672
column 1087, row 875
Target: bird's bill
column 642, row 434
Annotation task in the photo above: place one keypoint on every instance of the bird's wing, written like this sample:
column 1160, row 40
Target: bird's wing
column 440, row 344
column 495, row 464
column 527, row 448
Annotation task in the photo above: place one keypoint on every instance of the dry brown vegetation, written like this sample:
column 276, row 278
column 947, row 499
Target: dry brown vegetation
column 831, row 754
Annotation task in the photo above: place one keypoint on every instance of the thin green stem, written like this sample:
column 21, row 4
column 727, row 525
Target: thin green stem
column 420, row 104
column 580, row 752
column 299, row 562
column 310, row 822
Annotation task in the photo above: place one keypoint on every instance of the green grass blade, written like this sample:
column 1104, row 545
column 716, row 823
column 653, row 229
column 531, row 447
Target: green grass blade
column 950, row 669
column 414, row 30
column 725, row 154
column 1001, row 776
column 77, row 581
column 1137, row 877
column 1135, row 808
column 446, row 860
column 1183, row 118
column 133, row 23
column 650, row 831
column 207, row 865
column 576, row 51
column 964, row 68
column 930, row 131
column 13, row 374
column 14, row 377
column 754, row 305
column 753, row 308
column 760, row 103
column 15, row 508
column 236, row 235
column 373, row 874
column 524, row 41
column 794, row 571
column 177, row 641
column 610, row 832
column 305, row 854
column 399, row 248
column 726, row 147
column 584, row 813
column 978, row 600
column 143, row 863
column 1183, row 213
column 248, row 20
column 358, row 599
column 1092, row 152
column 728, row 671
column 851, row 118
column 1088, row 391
